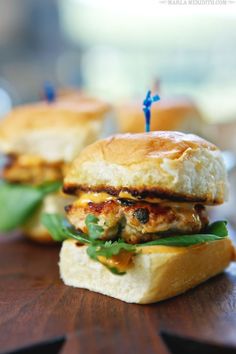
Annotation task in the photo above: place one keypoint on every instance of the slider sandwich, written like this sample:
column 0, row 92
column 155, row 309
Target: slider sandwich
column 37, row 143
column 138, row 229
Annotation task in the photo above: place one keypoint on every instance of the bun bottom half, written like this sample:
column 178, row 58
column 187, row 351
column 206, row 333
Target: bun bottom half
column 157, row 273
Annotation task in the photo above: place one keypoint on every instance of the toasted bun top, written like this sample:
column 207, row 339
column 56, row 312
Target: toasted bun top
column 166, row 164
column 44, row 129
column 65, row 112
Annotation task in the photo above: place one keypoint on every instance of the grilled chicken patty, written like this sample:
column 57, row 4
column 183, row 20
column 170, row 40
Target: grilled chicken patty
column 138, row 221
column 31, row 169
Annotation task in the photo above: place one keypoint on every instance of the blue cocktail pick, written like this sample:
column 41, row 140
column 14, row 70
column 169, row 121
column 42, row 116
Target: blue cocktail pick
column 147, row 103
column 49, row 92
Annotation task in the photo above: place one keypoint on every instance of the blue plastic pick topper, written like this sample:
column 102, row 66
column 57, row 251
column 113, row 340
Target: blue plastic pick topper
column 49, row 92
column 147, row 103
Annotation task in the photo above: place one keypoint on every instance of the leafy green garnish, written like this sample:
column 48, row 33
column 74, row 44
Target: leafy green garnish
column 19, row 202
column 218, row 228
column 215, row 231
column 95, row 231
column 53, row 223
column 61, row 230
column 49, row 187
column 109, row 249
column 182, row 240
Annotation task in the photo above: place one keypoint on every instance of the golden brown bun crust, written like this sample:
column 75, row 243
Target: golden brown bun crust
column 61, row 114
column 159, row 273
column 167, row 164
column 54, row 131
column 168, row 114
column 128, row 149
column 66, row 111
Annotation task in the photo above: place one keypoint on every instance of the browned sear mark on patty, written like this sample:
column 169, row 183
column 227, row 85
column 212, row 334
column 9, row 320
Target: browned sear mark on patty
column 142, row 215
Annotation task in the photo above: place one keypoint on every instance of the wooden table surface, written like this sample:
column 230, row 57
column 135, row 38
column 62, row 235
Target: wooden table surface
column 35, row 306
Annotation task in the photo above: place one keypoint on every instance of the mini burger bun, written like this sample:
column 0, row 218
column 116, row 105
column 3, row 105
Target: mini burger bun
column 165, row 164
column 54, row 131
column 33, row 228
column 158, row 273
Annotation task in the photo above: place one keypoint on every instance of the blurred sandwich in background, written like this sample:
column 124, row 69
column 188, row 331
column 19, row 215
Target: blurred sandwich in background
column 38, row 141
column 168, row 114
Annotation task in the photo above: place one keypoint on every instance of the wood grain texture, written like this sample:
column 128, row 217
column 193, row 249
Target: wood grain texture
column 35, row 306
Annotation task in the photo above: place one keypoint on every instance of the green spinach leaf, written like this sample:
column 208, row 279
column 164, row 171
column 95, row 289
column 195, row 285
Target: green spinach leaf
column 19, row 202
